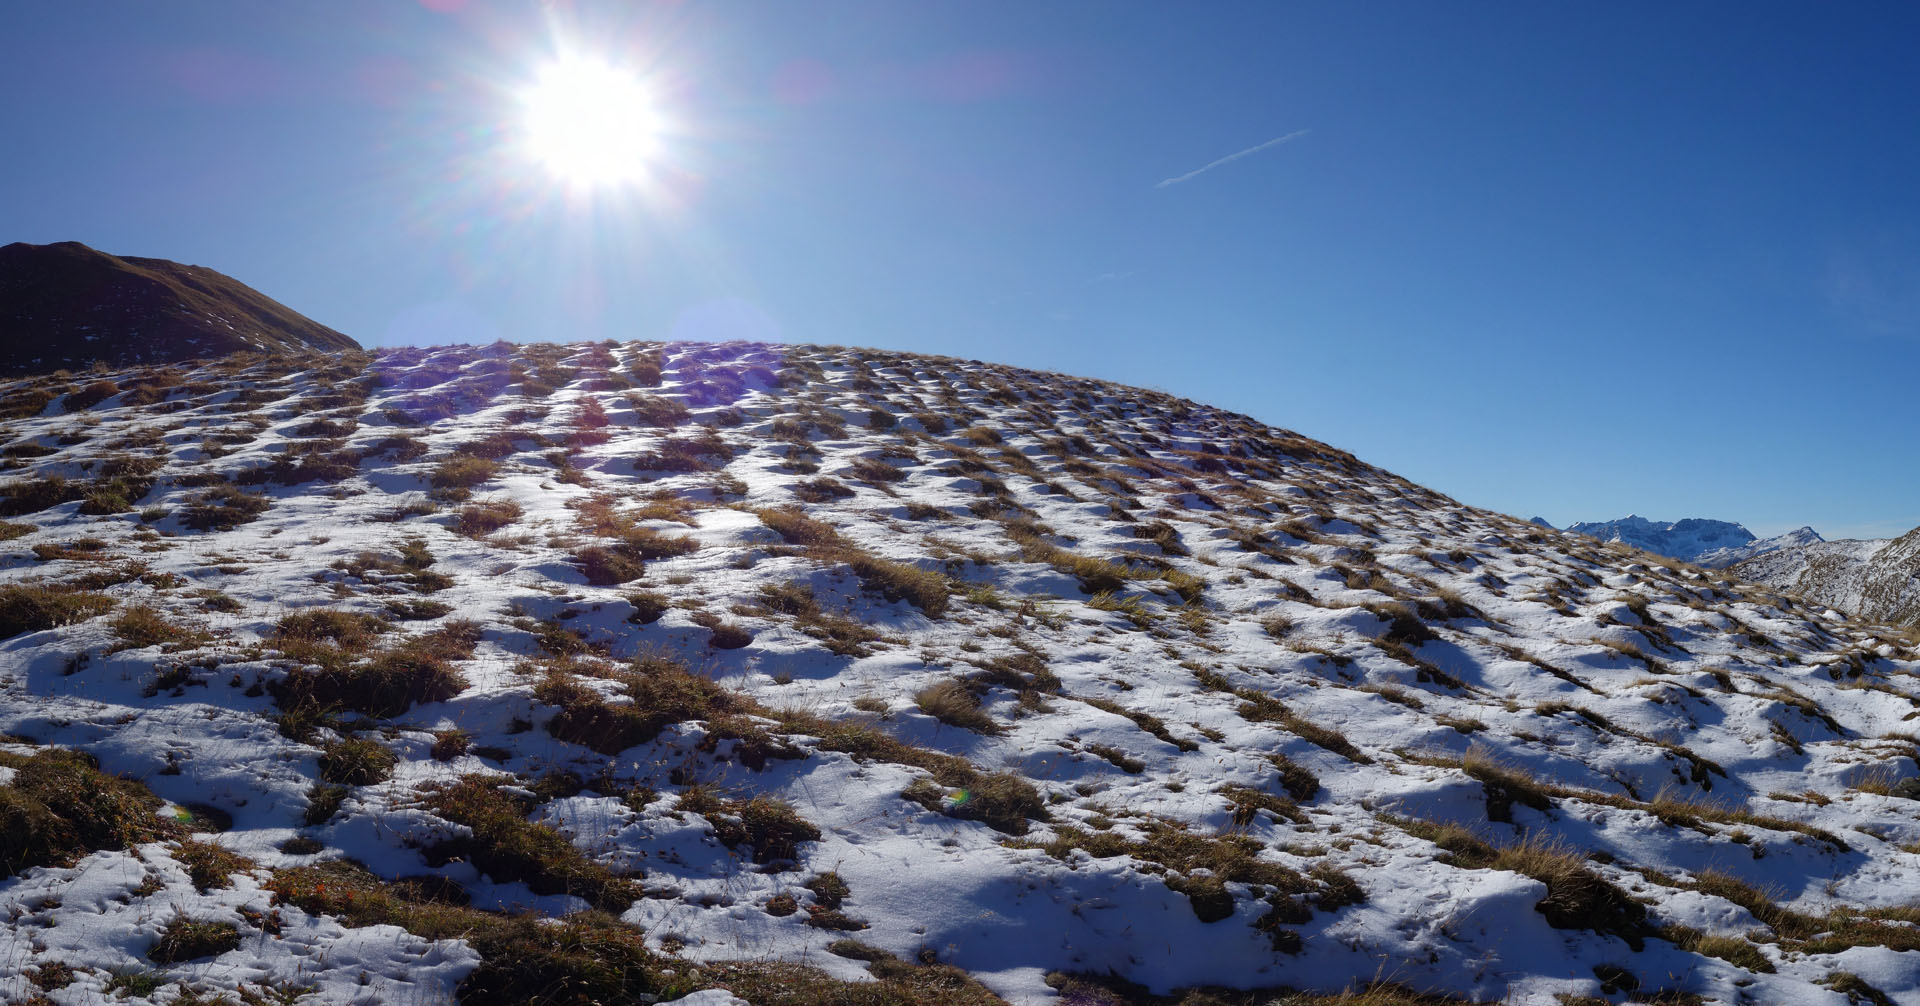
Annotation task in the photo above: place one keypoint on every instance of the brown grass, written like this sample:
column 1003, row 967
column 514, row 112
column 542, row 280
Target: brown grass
column 895, row 581
column 90, row 395
column 357, row 761
column 1197, row 865
column 842, row 636
column 210, row 866
column 143, row 625
column 953, row 703
column 1247, row 802
column 27, row 496
column 767, row 828
column 1671, row 808
column 386, row 683
column 653, row 410
column 1299, row 782
column 796, row 528
column 1577, row 897
column 1504, row 785
column 507, row 847
column 899, row 581
column 477, row 520
column 185, row 939
column 38, row 607
column 660, row 693
column 325, row 635
column 1732, row 949
column 223, row 508
column 1258, row 707
column 60, row 807
column 1002, row 801
column 1145, row 721
column 626, row 546
column 462, row 472
column 591, row 954
column 608, row 567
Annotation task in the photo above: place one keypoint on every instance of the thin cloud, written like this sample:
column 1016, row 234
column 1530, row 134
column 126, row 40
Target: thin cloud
column 1877, row 288
column 1203, row 169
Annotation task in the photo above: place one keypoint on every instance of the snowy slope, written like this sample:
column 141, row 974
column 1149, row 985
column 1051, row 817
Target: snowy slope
column 1876, row 579
column 820, row 666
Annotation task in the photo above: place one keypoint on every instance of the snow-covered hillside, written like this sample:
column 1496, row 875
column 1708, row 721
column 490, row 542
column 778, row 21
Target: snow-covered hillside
column 1878, row 579
column 813, row 675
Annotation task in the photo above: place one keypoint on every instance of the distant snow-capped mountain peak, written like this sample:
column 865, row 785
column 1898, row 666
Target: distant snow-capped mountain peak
column 1699, row 540
column 1685, row 539
column 1797, row 538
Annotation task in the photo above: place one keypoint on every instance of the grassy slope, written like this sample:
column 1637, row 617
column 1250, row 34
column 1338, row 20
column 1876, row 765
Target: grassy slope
column 66, row 305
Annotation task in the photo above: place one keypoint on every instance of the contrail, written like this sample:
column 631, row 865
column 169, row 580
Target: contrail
column 1276, row 141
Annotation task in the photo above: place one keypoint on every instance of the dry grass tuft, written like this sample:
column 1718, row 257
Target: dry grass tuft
column 143, row 625
column 386, row 683
column 769, row 829
column 185, row 939
column 38, row 607
column 659, row 692
column 477, row 520
column 1732, row 949
column 953, row 703
column 60, row 806
column 507, row 847
column 223, row 508
column 357, row 761
column 842, row 636
column 1577, row 897
column 462, row 471
column 1505, row 785
column 1258, row 707
column 210, row 866
column 1199, row 866
column 895, row 581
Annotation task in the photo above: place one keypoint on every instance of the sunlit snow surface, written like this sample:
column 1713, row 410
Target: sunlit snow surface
column 1743, row 680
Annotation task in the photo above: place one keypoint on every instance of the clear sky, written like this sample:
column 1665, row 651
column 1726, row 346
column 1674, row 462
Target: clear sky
column 1567, row 259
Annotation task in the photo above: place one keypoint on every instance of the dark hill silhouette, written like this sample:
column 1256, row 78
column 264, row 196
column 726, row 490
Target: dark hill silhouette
column 67, row 305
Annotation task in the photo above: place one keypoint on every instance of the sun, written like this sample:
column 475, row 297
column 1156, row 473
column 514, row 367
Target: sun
column 590, row 124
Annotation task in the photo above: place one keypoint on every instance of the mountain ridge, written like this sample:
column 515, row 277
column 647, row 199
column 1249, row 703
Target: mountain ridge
column 68, row 306
column 1875, row 579
column 1704, row 542
column 1683, row 539
column 1719, row 558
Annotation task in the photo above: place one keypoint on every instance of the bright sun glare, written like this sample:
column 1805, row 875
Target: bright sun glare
column 590, row 124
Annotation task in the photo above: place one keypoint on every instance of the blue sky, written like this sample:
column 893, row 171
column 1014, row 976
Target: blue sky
column 1576, row 260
